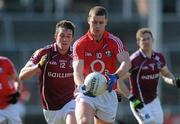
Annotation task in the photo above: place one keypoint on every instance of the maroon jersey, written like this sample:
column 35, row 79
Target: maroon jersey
column 56, row 78
column 145, row 75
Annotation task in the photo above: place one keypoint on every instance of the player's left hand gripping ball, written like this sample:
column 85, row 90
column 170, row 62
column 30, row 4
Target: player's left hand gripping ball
column 95, row 84
column 112, row 79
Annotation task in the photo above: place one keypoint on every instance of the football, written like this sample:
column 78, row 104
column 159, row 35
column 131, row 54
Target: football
column 95, row 83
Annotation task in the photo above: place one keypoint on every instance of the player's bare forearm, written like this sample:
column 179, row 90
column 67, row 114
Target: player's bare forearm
column 28, row 72
column 123, row 69
column 78, row 78
column 125, row 65
column 78, row 72
column 122, row 87
column 167, row 75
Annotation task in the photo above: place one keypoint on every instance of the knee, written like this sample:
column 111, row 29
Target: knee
column 83, row 120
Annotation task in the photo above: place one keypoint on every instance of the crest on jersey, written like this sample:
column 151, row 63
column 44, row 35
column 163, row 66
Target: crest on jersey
column 88, row 54
column 158, row 62
column 108, row 53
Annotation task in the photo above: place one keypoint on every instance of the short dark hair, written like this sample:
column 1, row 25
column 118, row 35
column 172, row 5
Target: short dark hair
column 98, row 11
column 141, row 32
column 65, row 24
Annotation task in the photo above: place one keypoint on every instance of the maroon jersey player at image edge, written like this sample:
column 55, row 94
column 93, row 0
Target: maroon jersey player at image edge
column 147, row 66
column 53, row 64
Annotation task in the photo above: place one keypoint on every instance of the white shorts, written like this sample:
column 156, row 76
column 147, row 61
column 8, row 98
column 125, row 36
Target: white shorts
column 104, row 105
column 155, row 109
column 59, row 116
column 10, row 114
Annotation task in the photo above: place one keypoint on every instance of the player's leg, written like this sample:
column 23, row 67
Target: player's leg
column 70, row 118
column 99, row 121
column 69, row 112
column 50, row 116
column 135, row 113
column 157, row 111
column 84, row 113
column 12, row 115
column 107, row 105
column 4, row 122
column 2, row 118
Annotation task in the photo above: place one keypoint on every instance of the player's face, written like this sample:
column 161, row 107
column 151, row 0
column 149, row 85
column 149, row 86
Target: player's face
column 146, row 42
column 64, row 38
column 97, row 25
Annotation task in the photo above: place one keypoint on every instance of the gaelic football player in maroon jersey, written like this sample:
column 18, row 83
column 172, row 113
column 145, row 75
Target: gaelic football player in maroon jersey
column 53, row 64
column 99, row 51
column 147, row 65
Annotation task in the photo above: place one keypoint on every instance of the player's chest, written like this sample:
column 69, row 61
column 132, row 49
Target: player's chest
column 98, row 52
column 150, row 66
column 60, row 63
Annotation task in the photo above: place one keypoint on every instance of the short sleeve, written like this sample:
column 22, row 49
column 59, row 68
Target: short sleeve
column 116, row 44
column 78, row 51
column 163, row 61
column 10, row 67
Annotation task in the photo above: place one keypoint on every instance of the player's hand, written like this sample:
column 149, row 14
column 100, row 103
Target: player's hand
column 85, row 92
column 43, row 60
column 82, row 89
column 177, row 82
column 112, row 79
column 13, row 98
column 137, row 104
column 78, row 90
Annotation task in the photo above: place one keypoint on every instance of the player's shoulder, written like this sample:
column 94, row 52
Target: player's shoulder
column 135, row 55
column 114, row 40
column 158, row 55
column 5, row 59
column 113, row 37
column 82, row 40
column 43, row 50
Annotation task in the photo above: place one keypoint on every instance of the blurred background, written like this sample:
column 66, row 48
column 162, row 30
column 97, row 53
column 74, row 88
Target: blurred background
column 26, row 25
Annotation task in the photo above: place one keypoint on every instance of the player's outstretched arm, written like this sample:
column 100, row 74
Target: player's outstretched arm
column 78, row 72
column 169, row 77
column 125, row 64
column 28, row 71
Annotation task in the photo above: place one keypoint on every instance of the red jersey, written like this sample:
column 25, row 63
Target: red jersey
column 98, row 56
column 145, row 75
column 6, row 87
column 56, row 78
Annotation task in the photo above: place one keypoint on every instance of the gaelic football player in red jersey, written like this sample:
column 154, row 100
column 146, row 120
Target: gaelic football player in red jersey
column 9, row 93
column 99, row 51
column 147, row 65
column 53, row 63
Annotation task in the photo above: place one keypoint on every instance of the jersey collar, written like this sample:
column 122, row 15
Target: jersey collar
column 105, row 35
column 55, row 49
column 144, row 55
